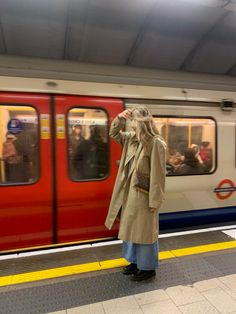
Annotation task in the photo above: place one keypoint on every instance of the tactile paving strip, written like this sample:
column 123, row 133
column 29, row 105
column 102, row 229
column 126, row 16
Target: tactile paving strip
column 80, row 291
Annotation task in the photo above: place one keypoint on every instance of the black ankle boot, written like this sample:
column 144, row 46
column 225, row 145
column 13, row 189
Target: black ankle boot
column 131, row 269
column 143, row 275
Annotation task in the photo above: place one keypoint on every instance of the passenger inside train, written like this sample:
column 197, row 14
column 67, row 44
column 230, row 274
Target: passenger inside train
column 88, row 147
column 76, row 138
column 88, row 144
column 13, row 162
column 190, row 144
column 90, row 157
column 205, row 153
column 191, row 164
column 19, row 150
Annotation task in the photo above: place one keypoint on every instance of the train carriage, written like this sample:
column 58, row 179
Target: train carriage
column 56, row 192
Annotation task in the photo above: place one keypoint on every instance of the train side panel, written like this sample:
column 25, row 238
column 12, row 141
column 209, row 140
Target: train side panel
column 86, row 168
column 56, row 186
column 26, row 185
column 214, row 189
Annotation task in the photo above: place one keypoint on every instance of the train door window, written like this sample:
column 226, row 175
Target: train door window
column 191, row 144
column 19, row 145
column 87, row 144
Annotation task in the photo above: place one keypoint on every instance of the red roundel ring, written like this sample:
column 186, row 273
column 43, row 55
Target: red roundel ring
column 224, row 196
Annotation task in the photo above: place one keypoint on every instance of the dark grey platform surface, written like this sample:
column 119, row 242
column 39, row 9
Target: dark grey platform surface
column 72, row 291
column 87, row 255
column 95, row 287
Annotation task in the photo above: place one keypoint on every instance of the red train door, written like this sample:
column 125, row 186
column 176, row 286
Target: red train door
column 26, row 188
column 86, row 165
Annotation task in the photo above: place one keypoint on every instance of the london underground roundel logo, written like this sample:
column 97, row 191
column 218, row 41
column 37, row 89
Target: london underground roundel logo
column 225, row 189
column 14, row 126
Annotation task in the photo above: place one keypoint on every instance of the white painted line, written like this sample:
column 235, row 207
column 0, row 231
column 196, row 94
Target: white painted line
column 45, row 251
column 5, row 257
column 107, row 243
column 174, row 234
column 231, row 233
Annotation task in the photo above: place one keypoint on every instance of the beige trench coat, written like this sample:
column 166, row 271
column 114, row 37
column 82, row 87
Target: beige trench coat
column 137, row 223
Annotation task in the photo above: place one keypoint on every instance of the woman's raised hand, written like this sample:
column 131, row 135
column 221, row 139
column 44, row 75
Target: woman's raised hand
column 125, row 114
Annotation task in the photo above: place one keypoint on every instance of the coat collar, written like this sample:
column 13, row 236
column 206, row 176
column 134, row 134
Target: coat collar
column 134, row 138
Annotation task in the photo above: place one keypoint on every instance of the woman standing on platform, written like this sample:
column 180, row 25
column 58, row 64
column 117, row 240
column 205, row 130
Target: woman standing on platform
column 139, row 191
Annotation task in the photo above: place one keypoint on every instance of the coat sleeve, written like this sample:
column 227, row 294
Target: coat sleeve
column 157, row 174
column 116, row 130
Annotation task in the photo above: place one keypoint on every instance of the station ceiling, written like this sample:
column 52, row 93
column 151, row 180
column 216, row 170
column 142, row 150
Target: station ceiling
column 185, row 35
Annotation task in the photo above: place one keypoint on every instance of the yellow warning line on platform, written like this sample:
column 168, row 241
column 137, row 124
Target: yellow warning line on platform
column 95, row 266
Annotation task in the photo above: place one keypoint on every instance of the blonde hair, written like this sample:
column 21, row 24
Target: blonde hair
column 144, row 123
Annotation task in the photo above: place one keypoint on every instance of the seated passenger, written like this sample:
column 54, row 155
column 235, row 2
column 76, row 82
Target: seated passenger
column 206, row 155
column 174, row 161
column 191, row 164
column 197, row 150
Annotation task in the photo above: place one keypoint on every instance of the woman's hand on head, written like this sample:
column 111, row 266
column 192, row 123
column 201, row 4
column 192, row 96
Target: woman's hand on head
column 125, row 114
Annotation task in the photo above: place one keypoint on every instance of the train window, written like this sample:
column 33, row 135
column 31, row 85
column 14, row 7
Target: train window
column 191, row 144
column 19, row 145
column 87, row 144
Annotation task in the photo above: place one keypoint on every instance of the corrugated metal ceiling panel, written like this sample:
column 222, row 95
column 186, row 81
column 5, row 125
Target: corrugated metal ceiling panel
column 218, row 53
column 111, row 29
column 172, row 34
column 34, row 28
column 165, row 34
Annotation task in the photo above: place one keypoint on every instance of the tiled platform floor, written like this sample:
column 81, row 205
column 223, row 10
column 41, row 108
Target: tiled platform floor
column 212, row 296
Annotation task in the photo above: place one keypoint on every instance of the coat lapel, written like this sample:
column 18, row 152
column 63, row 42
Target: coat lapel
column 130, row 156
column 131, row 150
column 136, row 156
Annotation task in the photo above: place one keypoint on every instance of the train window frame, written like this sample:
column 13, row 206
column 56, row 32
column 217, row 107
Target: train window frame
column 5, row 185
column 108, row 143
column 216, row 143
